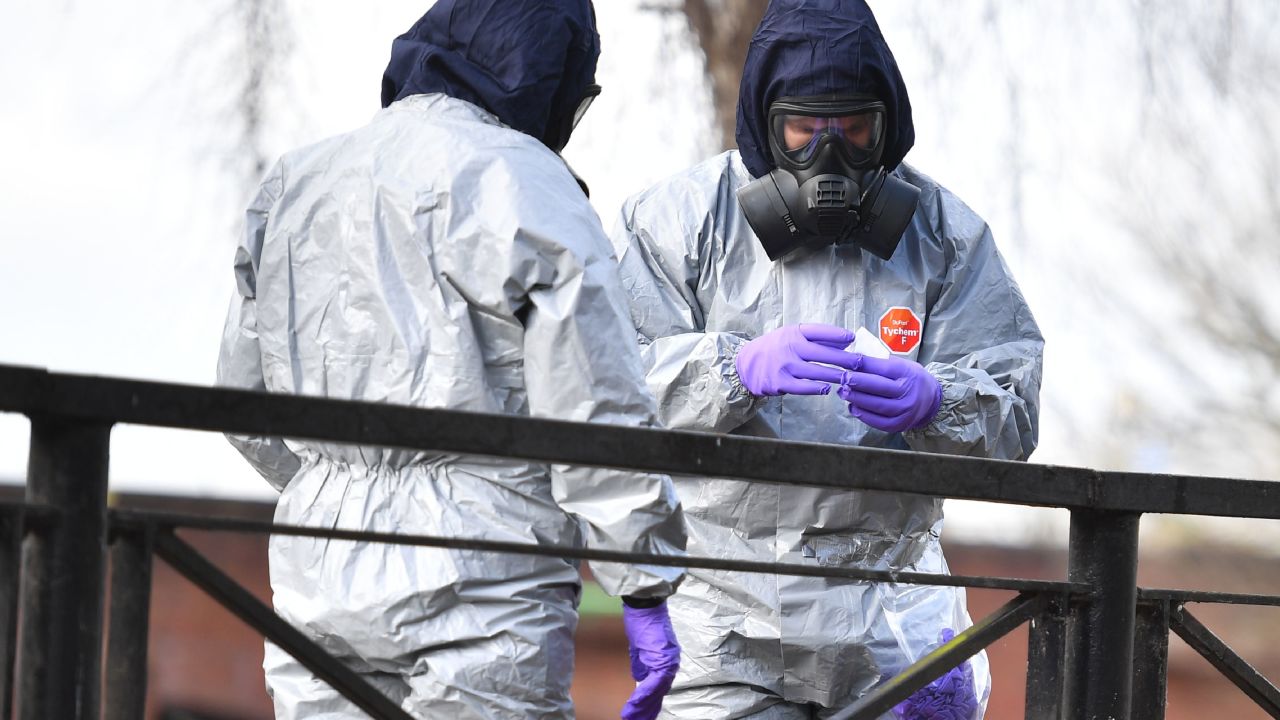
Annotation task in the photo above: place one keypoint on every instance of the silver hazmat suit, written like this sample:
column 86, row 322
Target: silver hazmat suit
column 437, row 258
column 701, row 286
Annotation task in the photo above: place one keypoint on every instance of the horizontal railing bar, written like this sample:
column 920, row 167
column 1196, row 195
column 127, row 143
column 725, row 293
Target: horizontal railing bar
column 30, row 510
column 1235, row 668
column 244, row 605
column 33, row 514
column 932, row 666
column 1207, row 596
column 167, row 520
column 34, row 391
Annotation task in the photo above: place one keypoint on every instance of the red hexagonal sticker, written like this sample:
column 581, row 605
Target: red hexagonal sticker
column 900, row 329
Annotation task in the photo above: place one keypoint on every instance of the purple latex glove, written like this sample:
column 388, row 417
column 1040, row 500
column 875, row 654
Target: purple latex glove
column 891, row 394
column 950, row 697
column 785, row 361
column 655, row 657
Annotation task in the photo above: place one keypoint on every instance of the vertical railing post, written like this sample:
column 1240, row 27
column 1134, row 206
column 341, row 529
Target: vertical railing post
column 1104, row 554
column 1046, row 659
column 10, row 554
column 63, row 557
column 1151, row 660
column 126, row 670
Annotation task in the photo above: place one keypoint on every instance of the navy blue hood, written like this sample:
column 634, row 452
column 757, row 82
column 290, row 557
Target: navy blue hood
column 526, row 61
column 819, row 47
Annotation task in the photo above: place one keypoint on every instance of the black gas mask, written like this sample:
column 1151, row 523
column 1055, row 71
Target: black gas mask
column 829, row 186
column 560, row 128
column 557, row 134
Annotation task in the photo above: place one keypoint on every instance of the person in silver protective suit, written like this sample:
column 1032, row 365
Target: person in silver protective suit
column 748, row 274
column 443, row 256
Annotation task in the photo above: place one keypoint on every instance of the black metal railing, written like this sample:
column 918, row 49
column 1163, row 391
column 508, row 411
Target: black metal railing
column 1098, row 644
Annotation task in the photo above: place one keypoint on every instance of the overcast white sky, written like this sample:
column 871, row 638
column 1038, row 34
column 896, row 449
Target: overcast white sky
column 119, row 212
column 118, row 208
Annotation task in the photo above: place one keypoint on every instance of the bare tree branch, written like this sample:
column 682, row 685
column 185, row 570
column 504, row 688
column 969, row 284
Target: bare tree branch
column 724, row 29
column 266, row 45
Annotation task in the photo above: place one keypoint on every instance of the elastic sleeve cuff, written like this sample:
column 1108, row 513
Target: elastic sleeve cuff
column 737, row 391
column 952, row 395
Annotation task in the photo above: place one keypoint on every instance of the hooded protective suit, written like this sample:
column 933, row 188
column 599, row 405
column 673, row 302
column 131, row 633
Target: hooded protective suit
column 444, row 257
column 701, row 285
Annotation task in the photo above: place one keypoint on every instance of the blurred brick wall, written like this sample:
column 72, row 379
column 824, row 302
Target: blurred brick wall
column 1196, row 691
column 203, row 659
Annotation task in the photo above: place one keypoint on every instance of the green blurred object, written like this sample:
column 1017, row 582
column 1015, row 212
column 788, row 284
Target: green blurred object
column 596, row 602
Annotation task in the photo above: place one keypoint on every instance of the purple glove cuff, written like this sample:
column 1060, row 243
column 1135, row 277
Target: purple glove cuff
column 655, row 657
column 933, row 410
column 951, row 697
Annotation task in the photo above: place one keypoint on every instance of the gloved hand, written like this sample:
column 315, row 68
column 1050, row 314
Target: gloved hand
column 655, row 657
column 785, row 361
column 891, row 394
column 950, row 697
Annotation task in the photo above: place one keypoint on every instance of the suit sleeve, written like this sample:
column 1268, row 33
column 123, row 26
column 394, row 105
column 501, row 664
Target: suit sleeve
column 983, row 344
column 691, row 372
column 240, row 359
column 582, row 364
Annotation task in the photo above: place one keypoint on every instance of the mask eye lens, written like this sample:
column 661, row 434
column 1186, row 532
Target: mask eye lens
column 562, row 128
column 799, row 135
column 861, row 131
column 798, row 131
column 588, row 97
